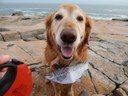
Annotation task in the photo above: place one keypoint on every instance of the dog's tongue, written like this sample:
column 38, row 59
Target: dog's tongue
column 67, row 51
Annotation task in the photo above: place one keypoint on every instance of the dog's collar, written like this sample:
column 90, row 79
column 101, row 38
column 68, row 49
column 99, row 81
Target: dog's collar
column 55, row 61
column 67, row 75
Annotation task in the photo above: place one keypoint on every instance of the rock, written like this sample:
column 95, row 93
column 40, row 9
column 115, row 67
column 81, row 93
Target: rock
column 30, row 34
column 94, row 37
column 17, row 13
column 4, row 29
column 125, row 64
column 119, row 92
column 25, row 18
column 102, row 83
column 108, row 53
column 1, row 39
column 29, row 52
column 124, row 86
column 115, row 73
column 11, row 36
column 30, row 39
column 108, row 49
column 41, row 37
column 126, row 20
column 15, row 52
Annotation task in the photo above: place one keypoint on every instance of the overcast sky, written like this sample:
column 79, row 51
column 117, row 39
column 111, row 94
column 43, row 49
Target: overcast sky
column 115, row 2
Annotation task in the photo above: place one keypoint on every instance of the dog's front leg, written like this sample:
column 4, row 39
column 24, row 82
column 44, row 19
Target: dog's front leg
column 67, row 90
column 63, row 90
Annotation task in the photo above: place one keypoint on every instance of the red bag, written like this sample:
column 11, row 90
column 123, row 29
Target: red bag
column 17, row 81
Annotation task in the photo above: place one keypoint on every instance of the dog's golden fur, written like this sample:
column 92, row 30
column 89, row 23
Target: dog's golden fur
column 80, row 54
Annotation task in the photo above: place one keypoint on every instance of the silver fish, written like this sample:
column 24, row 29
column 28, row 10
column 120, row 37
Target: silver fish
column 68, row 75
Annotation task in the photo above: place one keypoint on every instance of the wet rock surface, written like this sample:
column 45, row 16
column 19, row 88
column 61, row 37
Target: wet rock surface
column 108, row 49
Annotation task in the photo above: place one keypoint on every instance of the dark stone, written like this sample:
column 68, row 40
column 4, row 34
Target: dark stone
column 1, row 39
column 125, row 64
column 25, row 18
column 41, row 37
column 125, row 20
column 30, row 39
column 4, row 29
column 120, row 92
column 31, row 34
column 124, row 86
column 17, row 13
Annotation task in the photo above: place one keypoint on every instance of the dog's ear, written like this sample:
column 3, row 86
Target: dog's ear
column 88, row 27
column 48, row 22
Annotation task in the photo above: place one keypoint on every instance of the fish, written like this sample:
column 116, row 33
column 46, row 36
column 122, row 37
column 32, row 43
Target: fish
column 68, row 75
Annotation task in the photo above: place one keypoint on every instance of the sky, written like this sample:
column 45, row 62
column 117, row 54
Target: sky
column 111, row 2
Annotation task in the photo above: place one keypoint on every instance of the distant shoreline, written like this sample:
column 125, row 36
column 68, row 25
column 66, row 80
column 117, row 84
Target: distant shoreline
column 113, row 19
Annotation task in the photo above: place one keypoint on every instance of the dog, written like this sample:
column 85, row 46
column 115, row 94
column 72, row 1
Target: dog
column 68, row 30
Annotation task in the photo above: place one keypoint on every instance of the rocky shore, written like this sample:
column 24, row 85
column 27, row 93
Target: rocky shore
column 24, row 38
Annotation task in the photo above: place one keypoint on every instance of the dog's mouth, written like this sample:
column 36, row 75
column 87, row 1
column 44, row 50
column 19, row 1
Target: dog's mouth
column 66, row 52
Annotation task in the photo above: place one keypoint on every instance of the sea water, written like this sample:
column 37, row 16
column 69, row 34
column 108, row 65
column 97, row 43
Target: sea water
column 106, row 12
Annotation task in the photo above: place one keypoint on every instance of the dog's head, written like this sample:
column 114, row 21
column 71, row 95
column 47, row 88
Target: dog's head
column 67, row 29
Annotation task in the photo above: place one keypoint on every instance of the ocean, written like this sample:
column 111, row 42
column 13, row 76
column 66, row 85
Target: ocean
column 104, row 12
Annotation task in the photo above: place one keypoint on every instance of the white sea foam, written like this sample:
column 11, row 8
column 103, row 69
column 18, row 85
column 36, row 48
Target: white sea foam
column 17, row 10
column 100, row 18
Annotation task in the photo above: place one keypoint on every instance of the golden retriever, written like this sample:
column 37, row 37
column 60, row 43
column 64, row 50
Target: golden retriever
column 68, row 30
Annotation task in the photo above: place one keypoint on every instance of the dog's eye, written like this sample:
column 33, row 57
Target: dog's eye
column 58, row 17
column 80, row 18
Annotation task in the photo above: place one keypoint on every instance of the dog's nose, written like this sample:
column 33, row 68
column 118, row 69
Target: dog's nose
column 68, row 36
